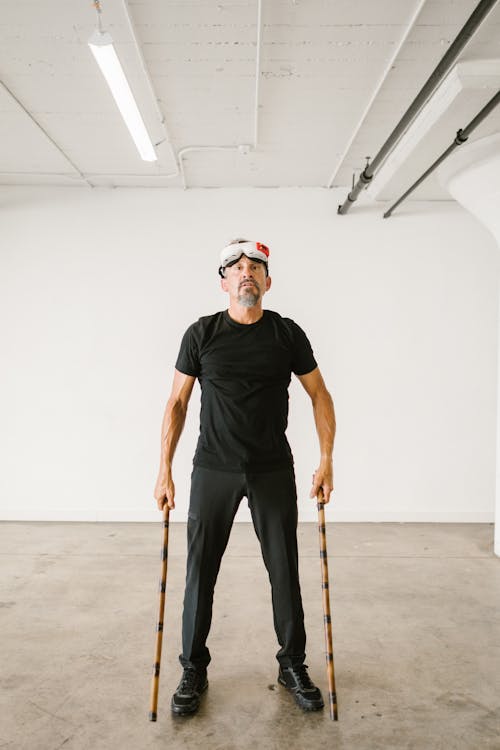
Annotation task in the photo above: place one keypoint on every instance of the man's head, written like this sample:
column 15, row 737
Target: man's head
column 244, row 271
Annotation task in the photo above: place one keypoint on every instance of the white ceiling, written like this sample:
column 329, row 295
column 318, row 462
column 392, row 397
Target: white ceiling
column 320, row 63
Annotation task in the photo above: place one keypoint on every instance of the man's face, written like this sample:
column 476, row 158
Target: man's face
column 246, row 281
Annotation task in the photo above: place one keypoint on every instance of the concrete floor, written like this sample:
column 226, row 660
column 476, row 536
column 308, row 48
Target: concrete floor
column 416, row 635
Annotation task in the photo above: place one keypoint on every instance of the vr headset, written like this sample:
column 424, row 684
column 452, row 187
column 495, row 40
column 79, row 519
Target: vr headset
column 232, row 253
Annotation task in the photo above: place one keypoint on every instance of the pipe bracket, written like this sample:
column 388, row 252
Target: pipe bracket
column 460, row 137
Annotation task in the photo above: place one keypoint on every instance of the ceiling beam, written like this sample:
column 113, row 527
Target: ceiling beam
column 409, row 28
column 46, row 134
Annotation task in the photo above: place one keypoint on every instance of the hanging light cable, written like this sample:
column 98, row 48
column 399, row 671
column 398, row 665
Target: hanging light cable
column 101, row 45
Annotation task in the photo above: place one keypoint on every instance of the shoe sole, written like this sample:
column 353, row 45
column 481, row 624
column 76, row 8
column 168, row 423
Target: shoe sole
column 184, row 711
column 299, row 700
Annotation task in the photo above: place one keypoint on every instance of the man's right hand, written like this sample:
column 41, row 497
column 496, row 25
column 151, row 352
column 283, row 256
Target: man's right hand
column 165, row 491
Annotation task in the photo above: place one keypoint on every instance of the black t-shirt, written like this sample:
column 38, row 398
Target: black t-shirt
column 244, row 372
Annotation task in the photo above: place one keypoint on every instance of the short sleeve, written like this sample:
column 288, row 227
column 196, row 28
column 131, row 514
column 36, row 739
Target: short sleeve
column 188, row 360
column 303, row 360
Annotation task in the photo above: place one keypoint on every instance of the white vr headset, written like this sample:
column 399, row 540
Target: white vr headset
column 232, row 253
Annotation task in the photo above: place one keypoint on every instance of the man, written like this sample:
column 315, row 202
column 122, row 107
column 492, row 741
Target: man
column 243, row 358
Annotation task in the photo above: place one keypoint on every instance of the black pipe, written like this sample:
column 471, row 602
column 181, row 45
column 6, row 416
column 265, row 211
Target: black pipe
column 460, row 138
column 465, row 34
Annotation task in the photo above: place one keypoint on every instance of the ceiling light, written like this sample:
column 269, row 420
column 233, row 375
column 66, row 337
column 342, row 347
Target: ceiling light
column 101, row 45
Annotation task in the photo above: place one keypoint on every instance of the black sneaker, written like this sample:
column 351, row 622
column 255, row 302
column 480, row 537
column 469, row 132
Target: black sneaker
column 186, row 698
column 298, row 682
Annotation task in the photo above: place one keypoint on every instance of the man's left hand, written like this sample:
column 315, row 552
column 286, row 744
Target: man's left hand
column 323, row 479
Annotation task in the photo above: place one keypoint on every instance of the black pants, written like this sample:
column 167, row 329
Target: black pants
column 215, row 497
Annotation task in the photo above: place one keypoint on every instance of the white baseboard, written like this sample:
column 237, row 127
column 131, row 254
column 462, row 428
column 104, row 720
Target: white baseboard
column 308, row 514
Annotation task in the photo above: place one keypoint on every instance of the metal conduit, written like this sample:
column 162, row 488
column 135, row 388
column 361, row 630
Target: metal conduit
column 461, row 136
column 465, row 34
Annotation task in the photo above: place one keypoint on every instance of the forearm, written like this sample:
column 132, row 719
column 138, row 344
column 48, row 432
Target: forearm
column 324, row 416
column 173, row 424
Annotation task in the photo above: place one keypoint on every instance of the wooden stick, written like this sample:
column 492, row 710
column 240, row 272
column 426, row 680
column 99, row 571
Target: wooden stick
column 155, row 682
column 332, row 695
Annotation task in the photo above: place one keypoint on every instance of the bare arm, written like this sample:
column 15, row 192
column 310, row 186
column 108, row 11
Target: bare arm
column 173, row 424
column 324, row 416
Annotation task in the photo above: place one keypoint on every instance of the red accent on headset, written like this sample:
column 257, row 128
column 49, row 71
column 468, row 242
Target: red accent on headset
column 263, row 248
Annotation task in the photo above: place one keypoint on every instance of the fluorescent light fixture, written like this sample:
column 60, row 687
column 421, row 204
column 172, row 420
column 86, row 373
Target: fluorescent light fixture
column 102, row 48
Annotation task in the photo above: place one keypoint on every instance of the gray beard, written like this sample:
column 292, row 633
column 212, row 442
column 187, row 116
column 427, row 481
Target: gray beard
column 248, row 298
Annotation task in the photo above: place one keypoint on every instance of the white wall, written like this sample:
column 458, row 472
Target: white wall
column 471, row 176
column 98, row 286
